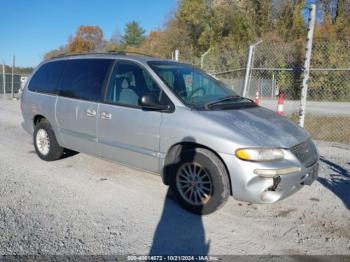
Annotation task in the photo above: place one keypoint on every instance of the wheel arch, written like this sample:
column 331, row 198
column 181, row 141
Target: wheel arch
column 41, row 117
column 174, row 152
column 37, row 119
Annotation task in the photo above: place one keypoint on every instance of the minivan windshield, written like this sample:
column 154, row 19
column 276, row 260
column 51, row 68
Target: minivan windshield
column 196, row 88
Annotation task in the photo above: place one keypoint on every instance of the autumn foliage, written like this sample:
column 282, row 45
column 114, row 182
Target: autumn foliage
column 86, row 39
column 222, row 26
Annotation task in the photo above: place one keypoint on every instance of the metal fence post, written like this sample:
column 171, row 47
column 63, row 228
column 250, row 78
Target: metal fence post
column 249, row 68
column 306, row 77
column 247, row 71
column 203, row 56
column 273, row 86
column 12, row 76
column 3, row 79
column 177, row 55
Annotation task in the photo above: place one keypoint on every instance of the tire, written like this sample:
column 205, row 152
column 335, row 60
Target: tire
column 43, row 132
column 211, row 188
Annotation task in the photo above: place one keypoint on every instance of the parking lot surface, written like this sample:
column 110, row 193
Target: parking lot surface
column 85, row 205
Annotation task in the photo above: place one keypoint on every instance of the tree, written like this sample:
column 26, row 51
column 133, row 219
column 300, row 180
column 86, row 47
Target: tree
column 226, row 27
column 263, row 15
column 163, row 42
column 289, row 22
column 342, row 19
column 194, row 17
column 233, row 25
column 153, row 44
column 62, row 50
column 134, row 34
column 86, row 39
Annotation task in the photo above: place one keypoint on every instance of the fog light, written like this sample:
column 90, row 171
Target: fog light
column 276, row 172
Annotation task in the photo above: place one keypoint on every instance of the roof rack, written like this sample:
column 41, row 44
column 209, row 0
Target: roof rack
column 103, row 53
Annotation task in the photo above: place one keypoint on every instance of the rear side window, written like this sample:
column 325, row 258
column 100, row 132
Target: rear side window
column 47, row 77
column 84, row 78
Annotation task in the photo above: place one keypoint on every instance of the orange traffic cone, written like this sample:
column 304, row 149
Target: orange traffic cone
column 280, row 103
column 257, row 97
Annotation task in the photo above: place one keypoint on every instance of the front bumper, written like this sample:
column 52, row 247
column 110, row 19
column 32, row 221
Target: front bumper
column 249, row 187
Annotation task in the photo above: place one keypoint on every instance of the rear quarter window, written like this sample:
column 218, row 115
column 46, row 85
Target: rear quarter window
column 84, row 78
column 46, row 78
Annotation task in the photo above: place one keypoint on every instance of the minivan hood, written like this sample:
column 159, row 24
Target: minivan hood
column 261, row 126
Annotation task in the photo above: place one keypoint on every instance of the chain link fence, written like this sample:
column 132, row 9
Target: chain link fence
column 278, row 67
column 328, row 108
column 228, row 65
column 7, row 85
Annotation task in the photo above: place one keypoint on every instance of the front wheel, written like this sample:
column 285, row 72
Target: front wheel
column 200, row 182
column 45, row 142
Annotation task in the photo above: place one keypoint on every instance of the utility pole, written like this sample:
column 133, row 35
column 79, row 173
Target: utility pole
column 306, row 75
column 3, row 79
column 12, row 76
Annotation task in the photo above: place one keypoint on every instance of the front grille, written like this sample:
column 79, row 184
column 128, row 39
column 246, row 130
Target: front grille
column 306, row 153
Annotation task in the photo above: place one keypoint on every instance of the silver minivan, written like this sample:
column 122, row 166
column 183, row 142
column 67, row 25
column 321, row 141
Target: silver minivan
column 205, row 140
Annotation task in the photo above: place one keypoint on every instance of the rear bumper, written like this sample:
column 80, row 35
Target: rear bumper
column 249, row 187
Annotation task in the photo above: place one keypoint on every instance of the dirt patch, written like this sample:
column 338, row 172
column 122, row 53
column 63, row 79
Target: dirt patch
column 287, row 212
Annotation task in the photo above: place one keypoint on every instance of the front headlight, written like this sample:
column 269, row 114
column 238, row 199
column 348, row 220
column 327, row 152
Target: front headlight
column 260, row 154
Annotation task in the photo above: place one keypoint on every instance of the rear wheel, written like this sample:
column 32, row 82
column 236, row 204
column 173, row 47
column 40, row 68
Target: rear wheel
column 200, row 182
column 45, row 142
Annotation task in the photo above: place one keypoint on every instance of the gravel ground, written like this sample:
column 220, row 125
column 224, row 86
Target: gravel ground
column 84, row 205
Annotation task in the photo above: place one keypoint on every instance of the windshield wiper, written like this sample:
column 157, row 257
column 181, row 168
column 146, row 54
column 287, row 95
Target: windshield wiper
column 223, row 99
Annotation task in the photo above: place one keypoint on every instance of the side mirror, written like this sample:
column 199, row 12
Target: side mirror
column 150, row 102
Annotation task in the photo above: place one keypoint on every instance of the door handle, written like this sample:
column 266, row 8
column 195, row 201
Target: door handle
column 106, row 115
column 91, row 112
